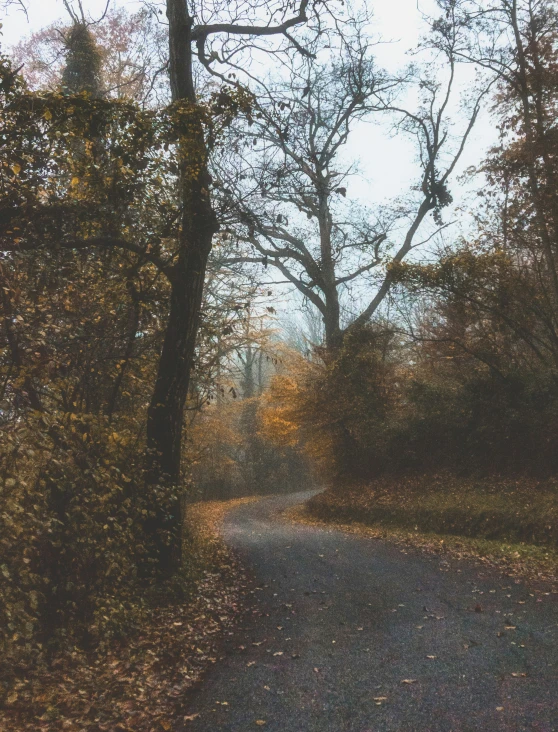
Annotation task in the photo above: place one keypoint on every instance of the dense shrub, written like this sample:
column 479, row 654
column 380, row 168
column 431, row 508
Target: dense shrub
column 71, row 538
column 372, row 408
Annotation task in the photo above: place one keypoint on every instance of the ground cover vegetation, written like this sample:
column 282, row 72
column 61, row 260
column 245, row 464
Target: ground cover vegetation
column 161, row 185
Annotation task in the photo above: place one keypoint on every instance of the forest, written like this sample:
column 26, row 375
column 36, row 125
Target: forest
column 204, row 298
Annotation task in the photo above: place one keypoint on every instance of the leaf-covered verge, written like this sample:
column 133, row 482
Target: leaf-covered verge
column 140, row 682
column 511, row 525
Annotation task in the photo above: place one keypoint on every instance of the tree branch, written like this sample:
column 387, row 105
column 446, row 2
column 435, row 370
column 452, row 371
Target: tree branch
column 104, row 242
column 201, row 32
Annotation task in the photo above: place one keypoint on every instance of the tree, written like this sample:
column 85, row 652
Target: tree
column 188, row 40
column 504, row 282
column 515, row 41
column 83, row 62
column 292, row 201
column 96, row 201
column 132, row 51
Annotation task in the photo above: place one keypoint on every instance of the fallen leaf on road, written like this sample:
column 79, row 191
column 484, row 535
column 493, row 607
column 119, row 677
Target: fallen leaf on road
column 191, row 717
column 260, row 722
column 258, row 643
column 251, row 663
column 295, row 655
column 278, row 653
column 409, row 681
column 380, row 698
column 499, row 709
column 317, row 670
column 431, row 657
column 517, row 674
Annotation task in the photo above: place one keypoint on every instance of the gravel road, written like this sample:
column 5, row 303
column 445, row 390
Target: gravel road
column 348, row 633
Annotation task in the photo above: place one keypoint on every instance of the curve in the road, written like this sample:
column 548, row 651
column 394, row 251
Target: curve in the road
column 350, row 634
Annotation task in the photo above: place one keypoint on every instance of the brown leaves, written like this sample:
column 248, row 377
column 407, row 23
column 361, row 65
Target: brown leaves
column 139, row 685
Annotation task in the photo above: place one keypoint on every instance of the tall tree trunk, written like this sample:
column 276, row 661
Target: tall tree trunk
column 187, row 276
column 332, row 314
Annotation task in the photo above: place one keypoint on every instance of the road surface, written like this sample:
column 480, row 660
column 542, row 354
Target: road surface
column 352, row 634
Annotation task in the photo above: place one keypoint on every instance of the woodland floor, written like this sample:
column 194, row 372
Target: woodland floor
column 141, row 684
column 352, row 633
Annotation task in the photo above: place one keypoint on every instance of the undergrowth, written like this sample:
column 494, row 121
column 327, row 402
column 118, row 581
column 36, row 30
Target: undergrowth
column 511, row 523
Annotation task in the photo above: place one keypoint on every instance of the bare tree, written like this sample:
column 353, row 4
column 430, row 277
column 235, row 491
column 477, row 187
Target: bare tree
column 292, row 205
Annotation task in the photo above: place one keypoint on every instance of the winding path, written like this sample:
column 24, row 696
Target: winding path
column 349, row 634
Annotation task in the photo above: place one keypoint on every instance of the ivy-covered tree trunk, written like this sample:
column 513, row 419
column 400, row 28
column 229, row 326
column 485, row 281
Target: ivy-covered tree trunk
column 199, row 224
column 187, row 276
